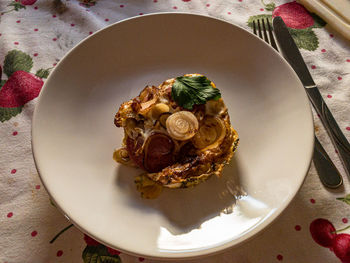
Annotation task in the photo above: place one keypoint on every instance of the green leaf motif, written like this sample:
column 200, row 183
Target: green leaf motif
column 42, row 73
column 88, row 3
column 304, row 38
column 99, row 254
column 52, row 203
column 110, row 259
column 2, row 83
column 194, row 90
column 17, row 60
column 270, row 7
column 260, row 17
column 318, row 21
column 345, row 199
column 17, row 5
column 8, row 113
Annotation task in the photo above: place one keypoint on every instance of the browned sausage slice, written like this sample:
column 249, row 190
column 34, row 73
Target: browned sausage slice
column 133, row 146
column 158, row 152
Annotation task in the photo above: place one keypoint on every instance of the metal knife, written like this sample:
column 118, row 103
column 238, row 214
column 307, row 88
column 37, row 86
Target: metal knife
column 291, row 53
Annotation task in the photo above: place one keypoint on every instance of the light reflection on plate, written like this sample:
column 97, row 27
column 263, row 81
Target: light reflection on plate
column 215, row 230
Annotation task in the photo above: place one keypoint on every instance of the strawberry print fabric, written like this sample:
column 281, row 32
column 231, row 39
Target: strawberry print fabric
column 36, row 34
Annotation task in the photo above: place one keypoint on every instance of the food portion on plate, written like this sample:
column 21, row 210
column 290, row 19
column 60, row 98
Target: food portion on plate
column 179, row 133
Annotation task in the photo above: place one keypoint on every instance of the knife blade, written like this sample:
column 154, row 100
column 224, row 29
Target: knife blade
column 292, row 54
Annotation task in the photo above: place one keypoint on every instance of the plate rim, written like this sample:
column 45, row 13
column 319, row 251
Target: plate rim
column 200, row 253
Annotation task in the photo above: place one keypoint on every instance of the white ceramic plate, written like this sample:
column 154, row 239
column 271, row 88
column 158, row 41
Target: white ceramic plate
column 74, row 135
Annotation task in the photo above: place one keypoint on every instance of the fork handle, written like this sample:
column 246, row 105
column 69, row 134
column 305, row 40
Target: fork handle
column 338, row 138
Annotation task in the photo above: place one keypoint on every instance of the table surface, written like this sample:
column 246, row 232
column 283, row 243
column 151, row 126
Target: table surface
column 36, row 34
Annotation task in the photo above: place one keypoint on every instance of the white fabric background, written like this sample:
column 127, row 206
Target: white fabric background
column 31, row 207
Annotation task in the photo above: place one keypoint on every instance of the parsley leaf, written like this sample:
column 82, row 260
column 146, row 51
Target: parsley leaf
column 194, row 90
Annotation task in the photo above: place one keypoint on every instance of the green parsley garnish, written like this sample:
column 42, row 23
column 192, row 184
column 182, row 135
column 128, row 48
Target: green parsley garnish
column 189, row 91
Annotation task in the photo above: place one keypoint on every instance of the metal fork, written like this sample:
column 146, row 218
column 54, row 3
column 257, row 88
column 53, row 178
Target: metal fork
column 328, row 173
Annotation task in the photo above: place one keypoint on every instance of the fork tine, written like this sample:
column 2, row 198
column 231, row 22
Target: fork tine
column 272, row 38
column 264, row 31
column 254, row 27
column 259, row 29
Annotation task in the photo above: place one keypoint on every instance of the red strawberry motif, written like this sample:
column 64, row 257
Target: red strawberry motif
column 27, row 2
column 323, row 232
column 90, row 241
column 294, row 15
column 341, row 247
column 21, row 85
column 113, row 251
column 20, row 88
column 299, row 21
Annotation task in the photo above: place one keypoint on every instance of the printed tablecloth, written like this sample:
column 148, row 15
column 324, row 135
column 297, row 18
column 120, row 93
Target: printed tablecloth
column 36, row 34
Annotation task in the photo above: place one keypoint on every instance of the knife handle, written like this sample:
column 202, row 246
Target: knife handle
column 338, row 138
column 326, row 170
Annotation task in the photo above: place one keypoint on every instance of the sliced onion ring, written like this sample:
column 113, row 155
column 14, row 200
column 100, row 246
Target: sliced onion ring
column 182, row 125
column 210, row 134
column 163, row 117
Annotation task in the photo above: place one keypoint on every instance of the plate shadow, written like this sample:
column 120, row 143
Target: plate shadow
column 186, row 209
